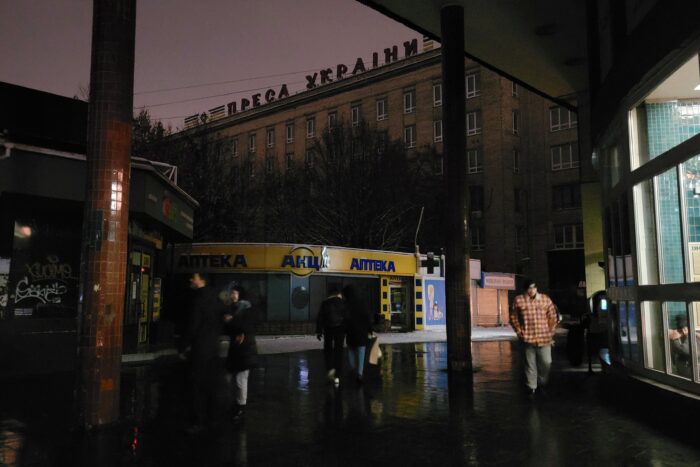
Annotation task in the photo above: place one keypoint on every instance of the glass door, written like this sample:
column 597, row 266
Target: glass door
column 398, row 304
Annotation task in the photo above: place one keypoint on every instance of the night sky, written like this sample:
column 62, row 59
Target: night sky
column 46, row 46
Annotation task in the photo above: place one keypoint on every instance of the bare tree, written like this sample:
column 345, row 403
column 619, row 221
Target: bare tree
column 362, row 190
column 354, row 187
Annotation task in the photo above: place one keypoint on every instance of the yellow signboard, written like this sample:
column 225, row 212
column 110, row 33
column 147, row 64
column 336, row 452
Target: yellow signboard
column 300, row 260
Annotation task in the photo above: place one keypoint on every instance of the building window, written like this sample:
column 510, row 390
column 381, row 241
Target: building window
column 310, row 156
column 269, row 164
column 332, row 120
column 476, row 200
column 564, row 156
column 355, row 115
column 251, row 142
column 290, row 133
column 566, row 197
column 517, row 200
column 381, row 109
column 437, row 131
column 473, row 85
column 234, row 147
column 270, row 137
column 514, row 89
column 519, row 238
column 437, row 95
column 382, row 140
column 310, row 127
column 409, row 101
column 561, row 119
column 474, row 162
column 516, row 122
column 516, row 161
column 356, row 147
column 568, row 236
column 473, row 123
column 289, row 160
column 250, row 168
column 477, row 237
column 439, row 164
column 409, row 136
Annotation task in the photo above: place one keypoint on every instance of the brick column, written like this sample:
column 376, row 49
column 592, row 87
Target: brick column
column 106, row 214
column 455, row 141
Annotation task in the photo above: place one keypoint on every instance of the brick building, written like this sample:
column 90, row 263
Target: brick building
column 522, row 153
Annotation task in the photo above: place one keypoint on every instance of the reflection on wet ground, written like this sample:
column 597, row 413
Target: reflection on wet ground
column 408, row 412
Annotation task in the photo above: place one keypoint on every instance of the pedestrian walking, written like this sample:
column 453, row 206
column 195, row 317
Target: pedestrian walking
column 203, row 330
column 242, row 351
column 534, row 320
column 330, row 324
column 359, row 329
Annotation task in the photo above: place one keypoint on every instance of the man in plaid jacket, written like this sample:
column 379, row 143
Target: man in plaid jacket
column 534, row 319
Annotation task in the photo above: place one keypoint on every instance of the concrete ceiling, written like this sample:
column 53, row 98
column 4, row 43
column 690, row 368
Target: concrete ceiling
column 683, row 84
column 540, row 43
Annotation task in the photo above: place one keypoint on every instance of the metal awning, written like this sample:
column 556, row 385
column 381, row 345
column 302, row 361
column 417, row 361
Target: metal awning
column 538, row 43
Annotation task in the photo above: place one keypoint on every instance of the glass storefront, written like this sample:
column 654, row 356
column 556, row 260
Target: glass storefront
column 653, row 242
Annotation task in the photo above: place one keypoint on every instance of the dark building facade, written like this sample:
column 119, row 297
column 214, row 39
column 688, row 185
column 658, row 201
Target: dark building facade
column 522, row 154
column 42, row 189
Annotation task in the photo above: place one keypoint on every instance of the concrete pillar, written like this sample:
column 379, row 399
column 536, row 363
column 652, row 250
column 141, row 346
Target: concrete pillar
column 454, row 144
column 106, row 214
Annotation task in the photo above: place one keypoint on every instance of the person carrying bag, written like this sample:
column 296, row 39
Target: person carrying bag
column 375, row 353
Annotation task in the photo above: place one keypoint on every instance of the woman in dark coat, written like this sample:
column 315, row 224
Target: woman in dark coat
column 359, row 328
column 242, row 350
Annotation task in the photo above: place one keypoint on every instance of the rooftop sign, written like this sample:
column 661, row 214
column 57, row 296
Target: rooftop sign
column 319, row 78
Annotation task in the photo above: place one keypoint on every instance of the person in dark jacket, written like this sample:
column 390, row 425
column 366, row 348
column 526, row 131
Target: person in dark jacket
column 242, row 350
column 330, row 324
column 203, row 329
column 359, row 328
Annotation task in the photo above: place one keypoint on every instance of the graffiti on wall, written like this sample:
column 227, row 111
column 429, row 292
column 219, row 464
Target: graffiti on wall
column 47, row 281
column 46, row 293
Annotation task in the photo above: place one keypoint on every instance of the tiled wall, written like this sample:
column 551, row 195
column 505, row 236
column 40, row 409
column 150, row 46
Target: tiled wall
column 669, row 124
column 671, row 261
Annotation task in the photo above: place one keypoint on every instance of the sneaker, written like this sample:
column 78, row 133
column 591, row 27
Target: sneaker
column 331, row 375
column 360, row 379
column 529, row 392
column 336, row 381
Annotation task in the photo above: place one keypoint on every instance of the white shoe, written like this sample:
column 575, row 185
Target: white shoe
column 331, row 375
column 336, row 381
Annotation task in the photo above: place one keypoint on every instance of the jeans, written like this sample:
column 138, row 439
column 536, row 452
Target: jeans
column 356, row 358
column 538, row 361
column 242, row 387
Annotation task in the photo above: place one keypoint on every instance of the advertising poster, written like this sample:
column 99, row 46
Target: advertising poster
column 434, row 302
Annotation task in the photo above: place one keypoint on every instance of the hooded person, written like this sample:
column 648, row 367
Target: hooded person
column 239, row 323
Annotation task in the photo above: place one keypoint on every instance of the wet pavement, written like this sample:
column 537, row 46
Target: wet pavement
column 408, row 412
